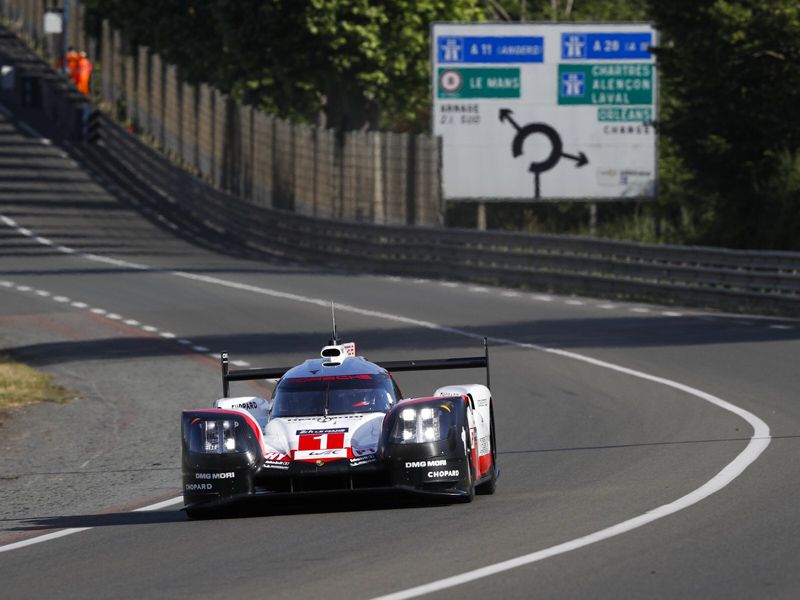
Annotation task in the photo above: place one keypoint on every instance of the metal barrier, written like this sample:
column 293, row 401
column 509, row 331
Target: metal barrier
column 754, row 281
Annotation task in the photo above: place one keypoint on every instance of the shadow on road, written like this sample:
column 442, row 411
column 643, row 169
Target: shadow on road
column 243, row 509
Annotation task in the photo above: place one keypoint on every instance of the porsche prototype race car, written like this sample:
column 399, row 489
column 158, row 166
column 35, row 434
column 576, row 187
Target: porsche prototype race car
column 339, row 423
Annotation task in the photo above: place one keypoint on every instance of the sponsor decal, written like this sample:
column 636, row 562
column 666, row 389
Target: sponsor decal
column 229, row 475
column 441, row 474
column 250, row 404
column 421, row 464
column 328, row 378
column 363, row 451
column 363, row 460
column 319, row 431
column 276, row 456
column 198, row 487
column 320, row 439
column 317, row 454
column 483, row 445
column 276, row 464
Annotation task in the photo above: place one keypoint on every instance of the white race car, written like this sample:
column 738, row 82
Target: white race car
column 339, row 423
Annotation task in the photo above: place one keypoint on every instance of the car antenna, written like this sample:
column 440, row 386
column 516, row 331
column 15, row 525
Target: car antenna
column 334, row 340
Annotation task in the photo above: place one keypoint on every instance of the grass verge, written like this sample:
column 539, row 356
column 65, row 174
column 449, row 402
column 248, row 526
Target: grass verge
column 21, row 385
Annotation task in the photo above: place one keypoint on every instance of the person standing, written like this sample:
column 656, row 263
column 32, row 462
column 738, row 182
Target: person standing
column 84, row 74
column 73, row 59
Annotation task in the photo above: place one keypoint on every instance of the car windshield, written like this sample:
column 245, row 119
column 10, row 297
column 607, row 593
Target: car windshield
column 334, row 395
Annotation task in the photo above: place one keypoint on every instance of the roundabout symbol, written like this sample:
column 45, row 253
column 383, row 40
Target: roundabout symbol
column 556, row 147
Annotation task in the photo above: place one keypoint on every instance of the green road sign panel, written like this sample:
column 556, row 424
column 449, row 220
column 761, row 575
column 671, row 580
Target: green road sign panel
column 605, row 84
column 478, row 83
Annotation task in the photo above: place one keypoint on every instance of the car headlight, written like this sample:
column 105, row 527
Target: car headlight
column 214, row 436
column 418, row 425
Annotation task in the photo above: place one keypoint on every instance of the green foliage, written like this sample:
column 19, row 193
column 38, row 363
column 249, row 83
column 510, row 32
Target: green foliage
column 354, row 59
column 731, row 75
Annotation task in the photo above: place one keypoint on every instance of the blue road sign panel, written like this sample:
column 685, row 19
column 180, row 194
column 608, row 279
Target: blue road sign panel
column 490, row 49
column 606, row 46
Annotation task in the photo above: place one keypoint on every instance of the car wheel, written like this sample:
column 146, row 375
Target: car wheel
column 488, row 487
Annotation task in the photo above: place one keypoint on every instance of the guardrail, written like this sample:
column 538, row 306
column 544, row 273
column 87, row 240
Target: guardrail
column 753, row 281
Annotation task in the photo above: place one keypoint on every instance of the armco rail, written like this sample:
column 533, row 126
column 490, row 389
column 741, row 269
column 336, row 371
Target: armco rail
column 764, row 282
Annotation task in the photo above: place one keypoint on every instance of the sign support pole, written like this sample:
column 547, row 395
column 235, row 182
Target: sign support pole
column 65, row 35
column 481, row 216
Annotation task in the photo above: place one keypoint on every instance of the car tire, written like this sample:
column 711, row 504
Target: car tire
column 488, row 487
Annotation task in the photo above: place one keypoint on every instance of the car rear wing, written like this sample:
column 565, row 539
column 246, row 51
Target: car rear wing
column 393, row 366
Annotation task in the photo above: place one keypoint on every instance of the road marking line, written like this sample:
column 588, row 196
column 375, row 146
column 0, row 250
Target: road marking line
column 510, row 294
column 543, row 298
column 98, row 311
column 479, row 289
column 201, row 349
column 65, row 532
column 450, row 284
column 606, row 306
column 574, row 302
column 167, row 335
column 671, row 313
column 759, row 441
column 132, row 322
column 60, row 299
column 24, row 288
column 43, row 293
column 79, row 304
column 114, row 316
column 240, row 363
column 781, row 327
column 640, row 309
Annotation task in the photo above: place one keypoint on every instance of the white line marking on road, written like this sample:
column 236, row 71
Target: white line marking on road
column 479, row 289
column 185, row 342
column 640, row 309
column 132, row 322
column 65, row 532
column 79, row 304
column 60, row 299
column 25, row 232
column 671, row 313
column 450, row 284
column 43, row 293
column 606, row 306
column 167, row 335
column 240, row 363
column 759, row 441
column 114, row 316
column 574, row 302
column 98, row 311
column 510, row 294
column 782, row 327
column 201, row 349
column 149, row 328
column 44, row 241
column 6, row 284
column 543, row 298
column 24, row 288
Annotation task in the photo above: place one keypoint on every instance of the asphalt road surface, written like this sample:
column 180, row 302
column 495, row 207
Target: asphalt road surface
column 611, row 418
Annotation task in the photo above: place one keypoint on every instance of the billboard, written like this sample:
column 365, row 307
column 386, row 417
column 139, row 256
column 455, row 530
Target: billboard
column 545, row 111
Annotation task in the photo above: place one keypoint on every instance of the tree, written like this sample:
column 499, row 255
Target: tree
column 731, row 107
column 356, row 60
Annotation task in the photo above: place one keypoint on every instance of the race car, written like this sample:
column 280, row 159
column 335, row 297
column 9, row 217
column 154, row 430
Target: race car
column 339, row 423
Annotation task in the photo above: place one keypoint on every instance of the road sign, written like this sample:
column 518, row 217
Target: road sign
column 478, row 83
column 545, row 111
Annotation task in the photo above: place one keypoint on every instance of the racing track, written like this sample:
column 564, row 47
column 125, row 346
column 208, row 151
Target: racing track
column 584, row 447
